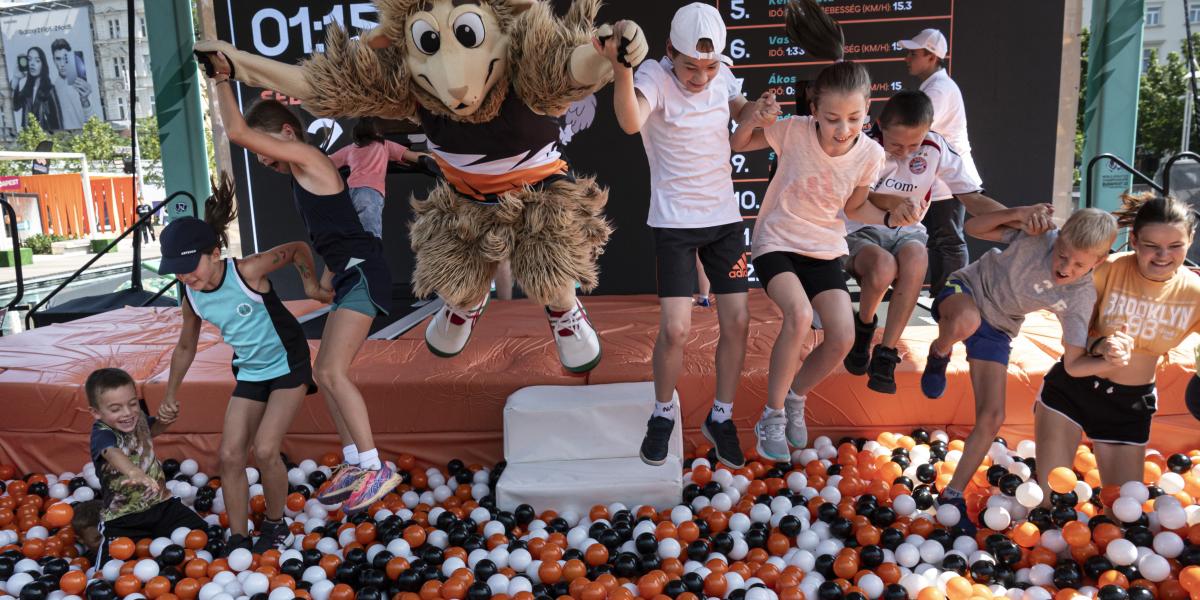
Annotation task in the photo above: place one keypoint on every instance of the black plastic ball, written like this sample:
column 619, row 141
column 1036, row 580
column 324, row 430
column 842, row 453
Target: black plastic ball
column 1112, row 592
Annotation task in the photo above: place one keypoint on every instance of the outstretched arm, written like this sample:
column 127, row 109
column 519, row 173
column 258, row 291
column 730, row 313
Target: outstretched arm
column 993, row 225
column 255, row 70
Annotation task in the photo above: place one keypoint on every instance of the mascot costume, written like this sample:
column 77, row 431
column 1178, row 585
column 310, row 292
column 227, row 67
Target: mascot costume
column 489, row 81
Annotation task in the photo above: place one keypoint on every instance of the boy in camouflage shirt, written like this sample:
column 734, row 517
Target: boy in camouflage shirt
column 134, row 500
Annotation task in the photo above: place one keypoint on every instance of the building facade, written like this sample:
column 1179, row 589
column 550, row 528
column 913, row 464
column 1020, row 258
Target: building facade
column 1165, row 29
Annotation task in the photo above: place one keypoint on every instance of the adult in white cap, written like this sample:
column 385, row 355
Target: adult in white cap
column 944, row 221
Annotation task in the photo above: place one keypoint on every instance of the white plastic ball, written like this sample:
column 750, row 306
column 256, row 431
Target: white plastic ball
column 320, row 590
column 145, row 570
column 189, row 467
column 313, row 574
column 932, row 552
column 997, row 518
column 1127, row 509
column 17, row 582
column 948, row 515
column 282, row 592
column 1171, row 482
column 258, row 583
column 904, row 505
column 157, row 546
column 240, row 559
column 1154, row 567
column 1136, row 490
column 1029, row 494
column 1168, row 544
column 1121, row 552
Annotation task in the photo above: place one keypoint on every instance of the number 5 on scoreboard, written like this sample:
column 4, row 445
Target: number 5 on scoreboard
column 737, row 10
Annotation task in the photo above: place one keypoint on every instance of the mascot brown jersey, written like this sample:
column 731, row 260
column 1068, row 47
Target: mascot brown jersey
column 487, row 80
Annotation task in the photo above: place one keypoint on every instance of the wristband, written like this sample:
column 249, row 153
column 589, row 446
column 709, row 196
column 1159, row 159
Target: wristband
column 1092, row 348
column 887, row 219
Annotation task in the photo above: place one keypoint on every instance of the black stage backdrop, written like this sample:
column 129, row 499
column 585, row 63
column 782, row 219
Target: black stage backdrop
column 1005, row 55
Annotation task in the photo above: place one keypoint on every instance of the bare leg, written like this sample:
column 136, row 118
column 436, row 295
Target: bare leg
column 344, row 334
column 1057, row 438
column 675, row 324
column 787, row 293
column 242, row 417
column 281, row 408
column 837, row 324
column 988, row 381
column 504, row 280
column 874, row 268
column 911, row 262
column 1119, row 463
column 733, row 316
column 702, row 279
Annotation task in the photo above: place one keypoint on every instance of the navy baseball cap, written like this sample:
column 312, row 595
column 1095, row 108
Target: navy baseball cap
column 183, row 242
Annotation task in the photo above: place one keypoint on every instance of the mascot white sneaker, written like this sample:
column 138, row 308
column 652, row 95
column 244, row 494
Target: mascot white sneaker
column 487, row 80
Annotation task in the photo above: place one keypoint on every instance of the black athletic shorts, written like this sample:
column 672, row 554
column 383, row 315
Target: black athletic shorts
column 722, row 252
column 815, row 274
column 157, row 521
column 1106, row 411
column 261, row 390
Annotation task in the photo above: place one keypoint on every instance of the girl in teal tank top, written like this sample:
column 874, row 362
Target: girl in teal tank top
column 270, row 359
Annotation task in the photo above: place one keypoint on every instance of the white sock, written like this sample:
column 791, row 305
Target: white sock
column 369, row 460
column 771, row 412
column 665, row 410
column 721, row 411
column 351, row 455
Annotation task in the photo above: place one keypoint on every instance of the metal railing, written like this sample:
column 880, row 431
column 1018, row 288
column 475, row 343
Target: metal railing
column 136, row 276
column 16, row 240
column 1091, row 188
column 1166, row 174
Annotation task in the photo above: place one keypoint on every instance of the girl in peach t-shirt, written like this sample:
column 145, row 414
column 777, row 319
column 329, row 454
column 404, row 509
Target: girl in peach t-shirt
column 368, row 160
column 826, row 165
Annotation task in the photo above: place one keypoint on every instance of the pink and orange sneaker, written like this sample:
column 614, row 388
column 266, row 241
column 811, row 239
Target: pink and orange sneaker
column 341, row 484
column 372, row 486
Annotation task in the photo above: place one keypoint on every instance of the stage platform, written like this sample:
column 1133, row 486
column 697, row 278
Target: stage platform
column 438, row 409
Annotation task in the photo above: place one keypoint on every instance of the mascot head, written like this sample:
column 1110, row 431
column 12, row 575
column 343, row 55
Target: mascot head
column 455, row 51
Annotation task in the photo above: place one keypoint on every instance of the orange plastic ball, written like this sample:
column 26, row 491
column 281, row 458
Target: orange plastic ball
column 1062, row 480
column 156, row 587
column 58, row 515
column 73, row 582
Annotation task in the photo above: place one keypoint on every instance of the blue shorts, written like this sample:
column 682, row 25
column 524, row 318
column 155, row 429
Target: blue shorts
column 987, row 343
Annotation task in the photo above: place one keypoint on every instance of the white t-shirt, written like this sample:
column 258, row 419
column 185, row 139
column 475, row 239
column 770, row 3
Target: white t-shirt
column 950, row 120
column 686, row 137
column 914, row 177
column 800, row 210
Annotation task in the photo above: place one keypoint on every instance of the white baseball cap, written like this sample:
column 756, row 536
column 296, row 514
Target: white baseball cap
column 695, row 22
column 929, row 39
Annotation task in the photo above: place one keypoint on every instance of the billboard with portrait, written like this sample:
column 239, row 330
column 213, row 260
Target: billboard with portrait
column 51, row 68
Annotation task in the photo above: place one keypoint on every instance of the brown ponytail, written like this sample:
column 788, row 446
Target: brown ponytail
column 220, row 209
column 821, row 37
column 1148, row 208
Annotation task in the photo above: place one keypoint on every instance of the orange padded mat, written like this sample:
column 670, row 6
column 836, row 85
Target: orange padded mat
column 438, row 409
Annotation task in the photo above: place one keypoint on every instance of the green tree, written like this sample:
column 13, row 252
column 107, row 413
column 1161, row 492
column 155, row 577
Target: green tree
column 27, row 140
column 97, row 141
column 1085, row 37
column 150, row 150
column 1160, row 108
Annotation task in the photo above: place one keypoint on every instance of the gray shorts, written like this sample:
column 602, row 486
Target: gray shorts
column 888, row 239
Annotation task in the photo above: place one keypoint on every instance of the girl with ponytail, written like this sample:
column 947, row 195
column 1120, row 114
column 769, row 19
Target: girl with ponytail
column 826, row 166
column 271, row 360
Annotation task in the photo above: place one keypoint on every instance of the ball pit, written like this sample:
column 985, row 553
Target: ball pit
column 852, row 521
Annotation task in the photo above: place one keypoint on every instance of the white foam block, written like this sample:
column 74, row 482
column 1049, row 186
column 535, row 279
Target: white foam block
column 564, row 423
column 578, row 485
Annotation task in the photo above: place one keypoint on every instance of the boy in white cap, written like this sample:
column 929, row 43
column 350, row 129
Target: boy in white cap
column 682, row 105
column 944, row 221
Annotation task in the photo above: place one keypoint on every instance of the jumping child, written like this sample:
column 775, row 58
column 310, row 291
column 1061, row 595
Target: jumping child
column 682, row 105
column 826, row 165
column 355, row 268
column 985, row 304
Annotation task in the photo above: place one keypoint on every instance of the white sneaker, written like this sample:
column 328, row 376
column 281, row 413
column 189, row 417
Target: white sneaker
column 578, row 344
column 772, row 441
column 797, row 429
column 450, row 329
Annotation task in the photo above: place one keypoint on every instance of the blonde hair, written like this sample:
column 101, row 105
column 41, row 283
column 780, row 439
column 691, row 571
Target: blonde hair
column 1090, row 229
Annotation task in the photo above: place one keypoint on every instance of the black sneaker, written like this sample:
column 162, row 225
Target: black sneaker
column 658, row 438
column 881, row 373
column 860, row 352
column 236, row 541
column 272, row 535
column 724, row 436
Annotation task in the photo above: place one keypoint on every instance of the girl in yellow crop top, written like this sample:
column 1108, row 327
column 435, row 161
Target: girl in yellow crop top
column 1147, row 302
